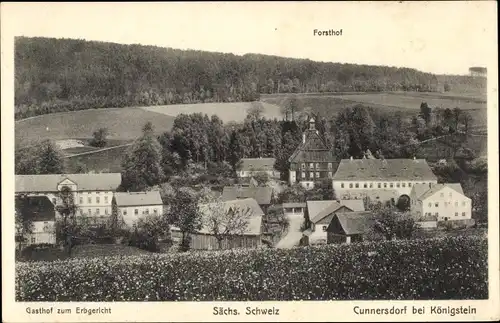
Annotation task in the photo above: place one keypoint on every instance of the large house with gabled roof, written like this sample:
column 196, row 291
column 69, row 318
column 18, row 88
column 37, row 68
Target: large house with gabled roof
column 313, row 160
column 380, row 179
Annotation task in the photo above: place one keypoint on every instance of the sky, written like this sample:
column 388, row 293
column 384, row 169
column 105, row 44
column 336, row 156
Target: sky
column 436, row 37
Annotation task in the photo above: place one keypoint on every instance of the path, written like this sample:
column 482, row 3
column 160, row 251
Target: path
column 292, row 238
column 97, row 151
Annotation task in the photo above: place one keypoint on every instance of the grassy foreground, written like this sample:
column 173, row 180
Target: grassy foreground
column 445, row 268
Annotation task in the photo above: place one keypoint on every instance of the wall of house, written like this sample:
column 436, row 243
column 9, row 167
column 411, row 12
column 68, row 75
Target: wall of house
column 446, row 204
column 131, row 214
column 292, row 177
column 249, row 173
column 209, row 242
column 295, row 211
column 43, row 232
column 385, row 190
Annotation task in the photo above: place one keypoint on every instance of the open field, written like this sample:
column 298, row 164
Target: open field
column 225, row 111
column 422, row 269
column 122, row 123
column 108, row 161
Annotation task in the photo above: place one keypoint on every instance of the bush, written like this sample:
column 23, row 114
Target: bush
column 445, row 268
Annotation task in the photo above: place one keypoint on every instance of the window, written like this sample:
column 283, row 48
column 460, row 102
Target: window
column 106, row 199
column 136, row 211
column 106, row 211
column 365, row 185
column 403, row 184
column 303, row 174
column 430, row 204
column 125, row 212
column 329, row 165
column 391, row 185
column 437, row 214
column 98, row 200
column 397, row 185
column 146, row 211
column 379, row 185
column 350, row 185
column 54, row 201
column 311, row 175
column 303, row 165
column 456, row 213
column 155, row 211
column 436, row 204
column 385, row 185
column 33, row 240
column 357, row 185
column 90, row 212
column 371, row 185
column 317, row 165
column 89, row 200
column 324, row 228
column 97, row 211
column 463, row 213
column 81, row 200
column 307, row 184
column 409, row 184
column 317, row 174
column 311, row 165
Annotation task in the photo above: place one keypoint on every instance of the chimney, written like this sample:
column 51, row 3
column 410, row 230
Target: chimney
column 304, row 138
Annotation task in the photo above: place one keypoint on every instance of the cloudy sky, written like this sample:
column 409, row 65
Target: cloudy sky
column 438, row 37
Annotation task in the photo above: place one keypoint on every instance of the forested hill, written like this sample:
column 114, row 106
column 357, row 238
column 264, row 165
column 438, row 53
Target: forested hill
column 53, row 75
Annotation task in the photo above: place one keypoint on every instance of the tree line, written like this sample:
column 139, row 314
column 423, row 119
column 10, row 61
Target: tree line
column 56, row 75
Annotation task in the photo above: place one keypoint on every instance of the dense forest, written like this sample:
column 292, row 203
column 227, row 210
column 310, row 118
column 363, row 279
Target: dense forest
column 54, row 75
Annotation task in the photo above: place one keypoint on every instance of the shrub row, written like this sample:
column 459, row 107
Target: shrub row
column 445, row 268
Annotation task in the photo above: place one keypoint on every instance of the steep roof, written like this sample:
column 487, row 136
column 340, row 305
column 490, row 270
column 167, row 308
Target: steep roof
column 138, row 198
column 424, row 191
column 38, row 208
column 315, row 207
column 355, row 205
column 257, row 164
column 354, row 222
column 84, row 182
column 254, row 220
column 384, row 169
column 313, row 148
column 262, row 195
column 324, row 208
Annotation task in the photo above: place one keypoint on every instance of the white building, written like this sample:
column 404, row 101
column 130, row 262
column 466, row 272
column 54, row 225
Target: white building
column 380, row 179
column 134, row 205
column 252, row 166
column 321, row 213
column 92, row 193
column 441, row 202
column 41, row 211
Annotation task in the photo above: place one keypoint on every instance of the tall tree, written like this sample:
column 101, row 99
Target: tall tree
column 425, row 112
column 50, row 159
column 235, row 149
column 23, row 220
column 67, row 209
column 99, row 137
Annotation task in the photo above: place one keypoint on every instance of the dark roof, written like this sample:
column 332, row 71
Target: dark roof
column 84, row 182
column 257, row 164
column 262, row 195
column 384, row 169
column 138, row 198
column 38, row 208
column 314, row 149
column 354, row 222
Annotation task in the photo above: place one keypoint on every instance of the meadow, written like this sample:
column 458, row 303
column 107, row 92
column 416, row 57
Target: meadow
column 441, row 268
column 227, row 112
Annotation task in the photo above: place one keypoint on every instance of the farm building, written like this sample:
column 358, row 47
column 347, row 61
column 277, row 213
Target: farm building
column 41, row 211
column 313, row 160
column 349, row 227
column 204, row 239
column 249, row 167
column 320, row 214
column 441, row 201
column 133, row 205
column 263, row 195
column 380, row 179
column 92, row 192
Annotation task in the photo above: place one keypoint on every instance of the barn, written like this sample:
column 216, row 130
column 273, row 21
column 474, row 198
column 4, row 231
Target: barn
column 349, row 227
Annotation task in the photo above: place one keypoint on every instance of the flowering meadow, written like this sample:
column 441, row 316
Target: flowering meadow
column 444, row 268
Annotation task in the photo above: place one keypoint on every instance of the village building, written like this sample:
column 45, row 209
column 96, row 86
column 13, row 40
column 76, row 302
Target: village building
column 134, row 205
column 263, row 195
column 380, row 179
column 320, row 214
column 252, row 237
column 294, row 208
column 349, row 227
column 249, row 167
column 441, row 202
column 313, row 160
column 92, row 193
column 40, row 210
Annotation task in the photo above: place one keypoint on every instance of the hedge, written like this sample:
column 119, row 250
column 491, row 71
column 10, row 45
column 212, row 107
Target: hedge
column 444, row 268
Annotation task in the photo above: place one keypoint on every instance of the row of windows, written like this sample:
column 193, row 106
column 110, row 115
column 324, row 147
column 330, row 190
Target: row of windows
column 379, row 185
column 318, row 175
column 436, row 204
column 97, row 200
column 313, row 165
column 97, row 212
column 437, row 213
column 136, row 211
